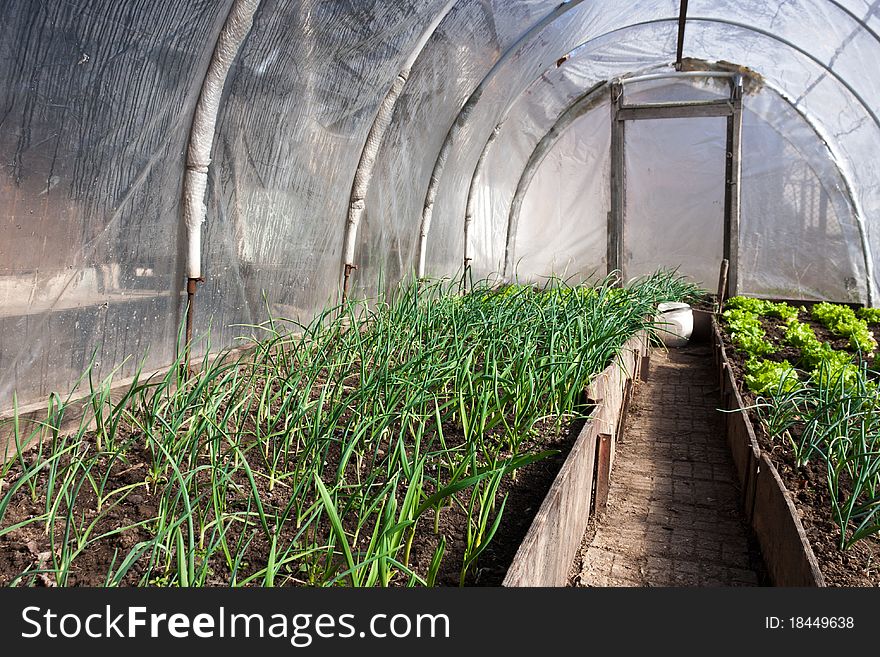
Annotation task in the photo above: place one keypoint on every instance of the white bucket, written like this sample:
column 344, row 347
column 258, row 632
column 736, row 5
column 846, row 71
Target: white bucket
column 675, row 323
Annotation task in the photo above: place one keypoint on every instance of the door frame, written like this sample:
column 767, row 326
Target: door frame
column 621, row 112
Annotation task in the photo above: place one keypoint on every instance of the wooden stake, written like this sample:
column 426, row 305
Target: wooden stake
column 603, row 471
column 722, row 286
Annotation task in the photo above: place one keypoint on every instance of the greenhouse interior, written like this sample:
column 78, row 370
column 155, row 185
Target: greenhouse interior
column 439, row 293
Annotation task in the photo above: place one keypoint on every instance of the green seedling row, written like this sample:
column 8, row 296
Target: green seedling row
column 329, row 453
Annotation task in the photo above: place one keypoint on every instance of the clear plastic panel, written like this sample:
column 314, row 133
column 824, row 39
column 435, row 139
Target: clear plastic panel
column 865, row 11
column 300, row 101
column 674, row 207
column 793, row 200
column 563, row 224
column 793, row 197
column 529, row 59
column 676, row 90
column 98, row 104
column 852, row 135
column 97, row 111
column 536, row 111
column 820, row 28
column 465, row 47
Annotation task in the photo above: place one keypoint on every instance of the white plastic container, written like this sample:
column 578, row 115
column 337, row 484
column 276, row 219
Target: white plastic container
column 675, row 323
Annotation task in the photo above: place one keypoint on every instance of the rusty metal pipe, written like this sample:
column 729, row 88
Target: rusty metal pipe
column 191, row 284
column 346, row 281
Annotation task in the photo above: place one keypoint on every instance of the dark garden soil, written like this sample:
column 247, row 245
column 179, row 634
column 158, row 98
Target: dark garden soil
column 32, row 547
column 860, row 564
column 525, row 494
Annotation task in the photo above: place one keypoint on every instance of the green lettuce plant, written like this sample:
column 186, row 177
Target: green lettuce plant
column 746, row 332
column 767, row 377
column 763, row 308
column 841, row 320
column 870, row 315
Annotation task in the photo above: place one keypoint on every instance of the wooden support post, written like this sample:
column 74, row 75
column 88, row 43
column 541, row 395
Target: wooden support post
column 618, row 174
column 732, row 178
column 676, row 110
column 603, row 471
column 624, row 408
column 682, row 23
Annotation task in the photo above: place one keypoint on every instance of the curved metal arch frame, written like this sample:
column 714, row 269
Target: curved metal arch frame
column 469, row 207
column 584, row 103
column 478, row 170
column 461, row 119
column 370, row 151
column 861, row 22
column 576, row 109
column 376, row 134
column 236, row 29
column 846, row 85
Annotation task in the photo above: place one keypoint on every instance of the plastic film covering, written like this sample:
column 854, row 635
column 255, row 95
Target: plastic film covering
column 520, row 67
column 466, row 44
column 563, row 227
column 536, row 111
column 793, row 197
column 300, row 102
column 98, row 100
column 788, row 70
column 674, row 201
column 674, row 195
column 840, row 99
column 97, row 104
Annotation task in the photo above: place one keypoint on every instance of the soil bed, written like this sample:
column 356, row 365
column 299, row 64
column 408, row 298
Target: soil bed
column 860, row 564
column 30, row 546
column 410, row 444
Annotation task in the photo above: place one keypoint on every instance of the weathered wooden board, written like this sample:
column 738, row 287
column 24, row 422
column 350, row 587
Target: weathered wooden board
column 545, row 556
column 787, row 553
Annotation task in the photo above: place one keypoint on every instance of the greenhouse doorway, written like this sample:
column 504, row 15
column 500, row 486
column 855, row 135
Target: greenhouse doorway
column 675, row 184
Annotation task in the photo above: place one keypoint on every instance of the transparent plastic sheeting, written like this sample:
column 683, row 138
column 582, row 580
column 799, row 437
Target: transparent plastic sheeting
column 843, row 122
column 674, row 198
column 98, row 101
column 793, row 203
column 527, row 122
column 98, row 98
column 97, row 104
column 465, row 47
column 300, row 102
column 792, row 195
column 561, row 229
column 537, row 54
column 801, row 65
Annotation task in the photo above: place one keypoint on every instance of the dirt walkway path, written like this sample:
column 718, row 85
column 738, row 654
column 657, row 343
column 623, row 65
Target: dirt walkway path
column 673, row 515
